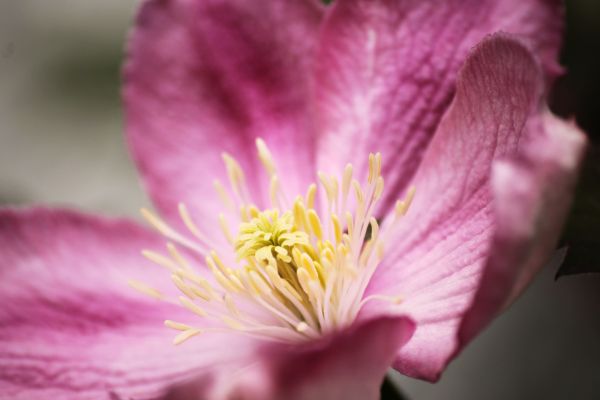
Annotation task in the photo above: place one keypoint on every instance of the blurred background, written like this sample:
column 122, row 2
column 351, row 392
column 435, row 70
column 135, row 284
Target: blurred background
column 61, row 143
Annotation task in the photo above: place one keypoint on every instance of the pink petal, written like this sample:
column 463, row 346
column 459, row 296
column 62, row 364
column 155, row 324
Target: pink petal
column 204, row 77
column 443, row 244
column 71, row 328
column 532, row 195
column 346, row 366
column 386, row 73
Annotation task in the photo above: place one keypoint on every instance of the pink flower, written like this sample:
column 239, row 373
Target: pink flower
column 294, row 303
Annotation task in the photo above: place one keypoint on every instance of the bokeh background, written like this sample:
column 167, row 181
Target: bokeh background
column 61, row 143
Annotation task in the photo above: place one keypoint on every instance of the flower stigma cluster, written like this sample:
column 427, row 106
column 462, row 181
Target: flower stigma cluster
column 297, row 270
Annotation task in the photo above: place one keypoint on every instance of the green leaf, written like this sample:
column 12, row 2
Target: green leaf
column 389, row 391
column 581, row 258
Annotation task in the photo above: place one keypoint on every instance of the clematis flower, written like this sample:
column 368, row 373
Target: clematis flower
column 340, row 189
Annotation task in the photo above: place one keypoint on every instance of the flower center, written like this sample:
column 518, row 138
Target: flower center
column 293, row 273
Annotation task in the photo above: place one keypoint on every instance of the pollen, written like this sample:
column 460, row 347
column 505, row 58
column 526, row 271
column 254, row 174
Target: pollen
column 289, row 272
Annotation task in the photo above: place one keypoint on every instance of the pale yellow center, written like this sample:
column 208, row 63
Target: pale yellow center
column 294, row 273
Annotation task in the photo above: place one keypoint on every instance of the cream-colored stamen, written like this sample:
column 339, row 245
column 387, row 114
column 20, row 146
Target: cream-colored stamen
column 292, row 273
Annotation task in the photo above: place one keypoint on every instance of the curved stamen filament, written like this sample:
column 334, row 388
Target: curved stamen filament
column 292, row 272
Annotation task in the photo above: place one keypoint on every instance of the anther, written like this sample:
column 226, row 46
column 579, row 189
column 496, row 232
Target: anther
column 235, row 174
column 182, row 337
column 177, row 325
column 193, row 307
column 159, row 259
column 310, row 195
column 145, row 289
column 265, row 156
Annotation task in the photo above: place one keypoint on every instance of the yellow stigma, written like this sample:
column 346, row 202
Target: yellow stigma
column 282, row 248
column 292, row 271
column 270, row 237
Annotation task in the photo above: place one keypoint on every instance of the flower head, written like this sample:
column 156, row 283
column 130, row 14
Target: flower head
column 263, row 132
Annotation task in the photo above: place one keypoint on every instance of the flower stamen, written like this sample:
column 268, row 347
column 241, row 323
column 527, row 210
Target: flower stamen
column 298, row 272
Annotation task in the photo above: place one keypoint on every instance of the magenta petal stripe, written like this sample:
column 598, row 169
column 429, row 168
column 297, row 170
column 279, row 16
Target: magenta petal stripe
column 72, row 328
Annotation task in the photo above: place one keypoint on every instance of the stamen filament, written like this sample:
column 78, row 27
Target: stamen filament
column 297, row 273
